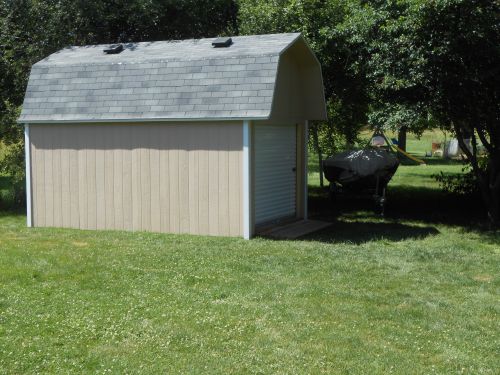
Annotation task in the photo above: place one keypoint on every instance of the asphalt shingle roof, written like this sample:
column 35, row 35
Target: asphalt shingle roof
column 157, row 80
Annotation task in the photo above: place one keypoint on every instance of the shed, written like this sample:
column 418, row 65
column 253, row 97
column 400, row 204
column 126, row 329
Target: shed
column 202, row 136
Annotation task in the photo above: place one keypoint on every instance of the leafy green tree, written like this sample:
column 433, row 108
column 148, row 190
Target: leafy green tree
column 440, row 61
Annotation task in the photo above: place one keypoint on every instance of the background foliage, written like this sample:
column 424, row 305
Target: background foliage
column 390, row 63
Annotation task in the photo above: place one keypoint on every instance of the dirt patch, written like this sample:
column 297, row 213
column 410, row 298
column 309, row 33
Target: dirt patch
column 80, row 244
column 483, row 278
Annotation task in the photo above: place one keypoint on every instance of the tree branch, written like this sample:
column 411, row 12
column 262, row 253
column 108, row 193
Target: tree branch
column 484, row 141
column 470, row 156
column 474, row 143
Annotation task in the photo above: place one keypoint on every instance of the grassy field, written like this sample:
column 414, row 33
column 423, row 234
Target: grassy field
column 414, row 293
column 417, row 146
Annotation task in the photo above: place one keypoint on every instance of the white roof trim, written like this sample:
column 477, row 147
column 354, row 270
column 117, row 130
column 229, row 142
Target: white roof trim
column 180, row 119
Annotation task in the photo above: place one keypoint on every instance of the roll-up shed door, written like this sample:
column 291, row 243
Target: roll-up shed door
column 275, row 173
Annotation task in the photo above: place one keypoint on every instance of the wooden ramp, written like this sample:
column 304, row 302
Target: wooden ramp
column 291, row 231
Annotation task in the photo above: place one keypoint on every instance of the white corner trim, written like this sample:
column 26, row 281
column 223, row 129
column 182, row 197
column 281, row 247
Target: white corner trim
column 27, row 155
column 247, row 212
column 306, row 172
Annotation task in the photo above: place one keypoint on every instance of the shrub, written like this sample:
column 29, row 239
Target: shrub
column 464, row 183
column 12, row 165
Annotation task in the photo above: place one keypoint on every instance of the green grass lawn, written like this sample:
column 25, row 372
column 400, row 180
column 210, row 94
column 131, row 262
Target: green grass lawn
column 414, row 293
column 417, row 146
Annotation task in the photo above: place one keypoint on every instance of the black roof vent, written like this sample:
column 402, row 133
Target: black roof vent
column 222, row 42
column 113, row 49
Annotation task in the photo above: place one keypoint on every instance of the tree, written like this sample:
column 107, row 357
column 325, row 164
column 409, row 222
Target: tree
column 33, row 29
column 466, row 94
column 440, row 60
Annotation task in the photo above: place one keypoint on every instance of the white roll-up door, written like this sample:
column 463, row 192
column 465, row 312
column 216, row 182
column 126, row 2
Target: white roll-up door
column 275, row 172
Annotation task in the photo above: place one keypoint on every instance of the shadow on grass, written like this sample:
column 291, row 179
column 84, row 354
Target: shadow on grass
column 440, row 161
column 430, row 160
column 410, row 203
column 412, row 212
column 4, row 212
column 359, row 232
column 433, row 206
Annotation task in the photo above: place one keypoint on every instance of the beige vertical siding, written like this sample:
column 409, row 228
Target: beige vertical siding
column 299, row 92
column 175, row 178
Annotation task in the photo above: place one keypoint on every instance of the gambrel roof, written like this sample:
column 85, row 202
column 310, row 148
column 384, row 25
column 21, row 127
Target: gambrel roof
column 169, row 80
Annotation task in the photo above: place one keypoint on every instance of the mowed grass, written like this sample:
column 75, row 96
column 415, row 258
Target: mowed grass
column 81, row 301
column 414, row 293
column 417, row 146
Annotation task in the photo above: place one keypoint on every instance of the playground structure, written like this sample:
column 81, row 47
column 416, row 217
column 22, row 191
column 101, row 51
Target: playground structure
column 379, row 139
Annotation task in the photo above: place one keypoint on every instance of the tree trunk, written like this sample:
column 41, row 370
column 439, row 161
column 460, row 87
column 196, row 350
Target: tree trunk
column 402, row 137
column 489, row 180
column 318, row 151
column 489, row 185
column 494, row 189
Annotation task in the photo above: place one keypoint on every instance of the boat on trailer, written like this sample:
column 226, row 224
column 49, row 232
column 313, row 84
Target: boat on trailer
column 366, row 171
